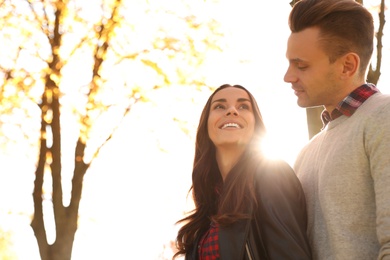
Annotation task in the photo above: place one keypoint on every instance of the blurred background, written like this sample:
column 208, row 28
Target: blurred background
column 99, row 104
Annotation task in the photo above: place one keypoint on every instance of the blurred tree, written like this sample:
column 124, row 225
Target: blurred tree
column 71, row 71
column 6, row 248
column 314, row 122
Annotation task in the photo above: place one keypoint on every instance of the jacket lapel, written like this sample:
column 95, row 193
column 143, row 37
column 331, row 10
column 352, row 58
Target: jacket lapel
column 232, row 240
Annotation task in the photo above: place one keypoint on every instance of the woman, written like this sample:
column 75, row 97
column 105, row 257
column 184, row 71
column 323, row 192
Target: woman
column 246, row 207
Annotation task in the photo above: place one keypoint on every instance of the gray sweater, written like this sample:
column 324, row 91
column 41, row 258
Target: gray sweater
column 345, row 174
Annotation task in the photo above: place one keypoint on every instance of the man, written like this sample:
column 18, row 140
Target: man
column 345, row 169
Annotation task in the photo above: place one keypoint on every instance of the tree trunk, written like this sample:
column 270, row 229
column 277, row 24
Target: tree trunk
column 65, row 218
column 314, row 122
column 374, row 74
column 49, row 162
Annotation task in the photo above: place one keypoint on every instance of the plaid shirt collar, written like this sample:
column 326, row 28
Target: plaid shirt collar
column 350, row 104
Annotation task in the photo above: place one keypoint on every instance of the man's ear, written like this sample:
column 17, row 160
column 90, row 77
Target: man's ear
column 351, row 62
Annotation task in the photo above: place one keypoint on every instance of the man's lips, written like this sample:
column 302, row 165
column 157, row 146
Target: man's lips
column 298, row 91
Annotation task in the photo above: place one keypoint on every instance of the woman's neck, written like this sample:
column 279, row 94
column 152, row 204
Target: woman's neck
column 227, row 158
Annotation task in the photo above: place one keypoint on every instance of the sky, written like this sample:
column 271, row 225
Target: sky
column 136, row 190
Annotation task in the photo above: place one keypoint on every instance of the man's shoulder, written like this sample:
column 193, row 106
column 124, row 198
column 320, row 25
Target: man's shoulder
column 376, row 107
column 378, row 100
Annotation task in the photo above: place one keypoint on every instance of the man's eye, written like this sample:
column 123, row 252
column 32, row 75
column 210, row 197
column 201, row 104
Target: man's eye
column 302, row 67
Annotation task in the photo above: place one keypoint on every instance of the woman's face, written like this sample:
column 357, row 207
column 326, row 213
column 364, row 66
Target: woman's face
column 231, row 120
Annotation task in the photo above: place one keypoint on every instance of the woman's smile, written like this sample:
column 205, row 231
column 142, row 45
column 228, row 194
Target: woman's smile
column 231, row 120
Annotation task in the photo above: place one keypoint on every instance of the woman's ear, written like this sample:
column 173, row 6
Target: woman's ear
column 350, row 62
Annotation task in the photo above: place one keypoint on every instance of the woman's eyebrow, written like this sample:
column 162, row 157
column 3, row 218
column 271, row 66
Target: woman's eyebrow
column 243, row 99
column 224, row 100
column 219, row 100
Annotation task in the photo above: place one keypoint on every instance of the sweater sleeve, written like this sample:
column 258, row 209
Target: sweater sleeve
column 282, row 212
column 377, row 145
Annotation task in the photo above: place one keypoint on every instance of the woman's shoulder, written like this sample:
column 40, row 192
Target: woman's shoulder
column 276, row 181
column 273, row 168
column 275, row 172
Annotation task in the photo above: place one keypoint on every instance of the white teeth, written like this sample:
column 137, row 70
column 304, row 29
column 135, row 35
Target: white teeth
column 230, row 125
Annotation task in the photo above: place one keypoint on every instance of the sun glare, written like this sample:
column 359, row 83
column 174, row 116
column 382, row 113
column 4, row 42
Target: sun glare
column 271, row 148
column 275, row 148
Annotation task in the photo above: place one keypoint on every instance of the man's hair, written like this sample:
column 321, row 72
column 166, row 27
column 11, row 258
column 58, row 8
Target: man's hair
column 345, row 26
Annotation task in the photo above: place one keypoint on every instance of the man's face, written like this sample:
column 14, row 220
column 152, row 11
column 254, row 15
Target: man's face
column 312, row 77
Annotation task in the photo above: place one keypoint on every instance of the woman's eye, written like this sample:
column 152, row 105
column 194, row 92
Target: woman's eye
column 244, row 106
column 219, row 106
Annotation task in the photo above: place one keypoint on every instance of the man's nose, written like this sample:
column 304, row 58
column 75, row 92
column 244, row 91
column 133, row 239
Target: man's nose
column 289, row 76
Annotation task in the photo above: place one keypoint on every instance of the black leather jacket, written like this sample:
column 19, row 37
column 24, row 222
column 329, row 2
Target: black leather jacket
column 277, row 230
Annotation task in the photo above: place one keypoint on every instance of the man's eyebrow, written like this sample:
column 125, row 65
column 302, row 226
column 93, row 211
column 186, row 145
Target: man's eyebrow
column 296, row 60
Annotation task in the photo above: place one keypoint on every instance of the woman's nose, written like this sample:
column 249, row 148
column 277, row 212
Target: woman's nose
column 232, row 111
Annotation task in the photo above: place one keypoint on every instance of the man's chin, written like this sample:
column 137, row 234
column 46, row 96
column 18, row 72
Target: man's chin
column 303, row 104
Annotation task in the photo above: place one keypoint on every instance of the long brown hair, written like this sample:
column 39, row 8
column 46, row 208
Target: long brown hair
column 237, row 193
column 345, row 26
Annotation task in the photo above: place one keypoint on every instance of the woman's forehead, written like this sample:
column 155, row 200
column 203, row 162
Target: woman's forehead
column 230, row 93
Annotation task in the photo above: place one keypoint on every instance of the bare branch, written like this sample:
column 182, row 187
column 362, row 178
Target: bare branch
column 373, row 75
